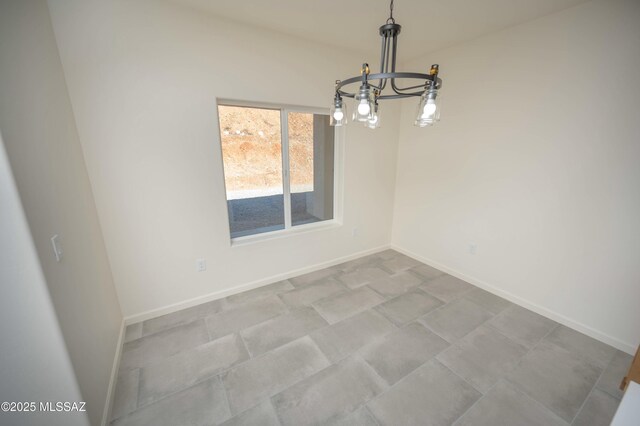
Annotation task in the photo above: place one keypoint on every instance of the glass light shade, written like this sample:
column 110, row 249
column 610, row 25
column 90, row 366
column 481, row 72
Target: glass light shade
column 428, row 112
column 338, row 114
column 373, row 122
column 363, row 107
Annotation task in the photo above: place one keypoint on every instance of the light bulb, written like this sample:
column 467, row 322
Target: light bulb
column 363, row 107
column 429, row 109
column 338, row 112
column 373, row 122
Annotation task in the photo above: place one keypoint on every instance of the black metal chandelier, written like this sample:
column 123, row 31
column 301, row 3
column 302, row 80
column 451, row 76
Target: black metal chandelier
column 372, row 86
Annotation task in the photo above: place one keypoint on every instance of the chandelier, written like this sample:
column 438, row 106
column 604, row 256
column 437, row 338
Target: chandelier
column 372, row 86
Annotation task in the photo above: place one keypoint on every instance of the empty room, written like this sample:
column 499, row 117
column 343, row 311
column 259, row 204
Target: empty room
column 338, row 212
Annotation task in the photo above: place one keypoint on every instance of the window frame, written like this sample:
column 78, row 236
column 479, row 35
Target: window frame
column 338, row 172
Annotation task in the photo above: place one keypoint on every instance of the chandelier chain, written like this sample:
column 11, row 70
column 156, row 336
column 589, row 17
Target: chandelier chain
column 391, row 20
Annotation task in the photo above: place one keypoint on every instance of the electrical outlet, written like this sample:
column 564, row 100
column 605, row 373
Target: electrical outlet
column 354, row 232
column 201, row 265
column 473, row 248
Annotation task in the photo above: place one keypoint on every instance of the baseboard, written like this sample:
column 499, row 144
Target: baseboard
column 106, row 414
column 247, row 286
column 582, row 328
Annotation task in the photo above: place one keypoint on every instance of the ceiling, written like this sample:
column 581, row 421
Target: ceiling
column 427, row 25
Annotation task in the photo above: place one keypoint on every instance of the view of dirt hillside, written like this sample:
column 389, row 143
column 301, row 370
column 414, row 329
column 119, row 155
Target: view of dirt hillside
column 251, row 149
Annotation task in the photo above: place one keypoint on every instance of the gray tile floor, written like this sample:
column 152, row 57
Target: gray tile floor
column 381, row 340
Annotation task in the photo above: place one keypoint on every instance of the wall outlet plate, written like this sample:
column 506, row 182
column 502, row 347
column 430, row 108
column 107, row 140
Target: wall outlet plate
column 201, row 265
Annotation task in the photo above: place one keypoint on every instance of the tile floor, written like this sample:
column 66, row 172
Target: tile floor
column 381, row 340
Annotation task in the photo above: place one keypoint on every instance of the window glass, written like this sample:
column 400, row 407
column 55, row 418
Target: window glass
column 276, row 179
column 252, row 155
column 311, row 162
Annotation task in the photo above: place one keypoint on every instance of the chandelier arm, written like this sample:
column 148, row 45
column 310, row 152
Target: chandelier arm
column 402, row 89
column 386, row 97
column 394, row 88
column 438, row 84
column 384, row 76
column 380, row 76
column 385, row 61
column 394, row 53
column 382, row 62
column 400, row 96
column 393, row 69
column 382, row 53
column 389, row 53
column 390, row 40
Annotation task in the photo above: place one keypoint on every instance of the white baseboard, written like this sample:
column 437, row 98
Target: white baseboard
column 106, row 413
column 582, row 328
column 244, row 287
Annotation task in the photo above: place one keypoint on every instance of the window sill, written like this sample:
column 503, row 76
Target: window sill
column 294, row 230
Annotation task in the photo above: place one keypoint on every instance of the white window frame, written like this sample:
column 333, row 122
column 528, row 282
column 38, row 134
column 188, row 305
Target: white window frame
column 338, row 173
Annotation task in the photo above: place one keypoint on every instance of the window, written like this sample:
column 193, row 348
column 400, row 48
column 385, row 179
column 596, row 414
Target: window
column 278, row 167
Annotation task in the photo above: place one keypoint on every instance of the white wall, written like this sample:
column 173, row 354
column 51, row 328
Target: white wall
column 42, row 145
column 34, row 359
column 536, row 162
column 143, row 79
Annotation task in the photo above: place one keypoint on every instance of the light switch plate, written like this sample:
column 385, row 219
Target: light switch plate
column 57, row 248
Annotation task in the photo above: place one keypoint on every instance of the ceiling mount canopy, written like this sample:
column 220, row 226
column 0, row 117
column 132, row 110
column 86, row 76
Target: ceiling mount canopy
column 372, row 86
